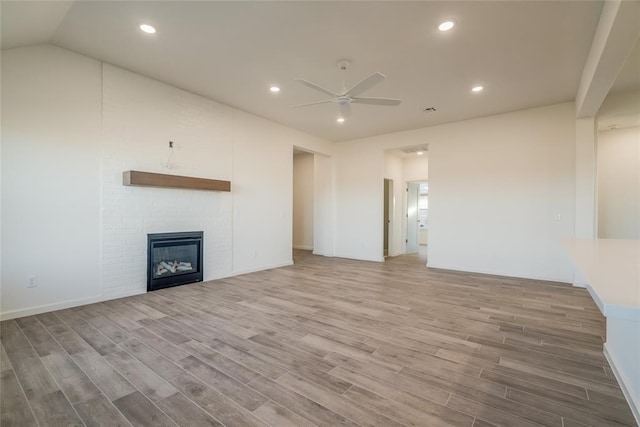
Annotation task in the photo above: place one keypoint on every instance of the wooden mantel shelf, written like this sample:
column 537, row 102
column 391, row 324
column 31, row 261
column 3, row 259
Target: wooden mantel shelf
column 148, row 179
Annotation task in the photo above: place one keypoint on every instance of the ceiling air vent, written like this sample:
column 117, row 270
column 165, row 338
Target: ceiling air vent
column 412, row 150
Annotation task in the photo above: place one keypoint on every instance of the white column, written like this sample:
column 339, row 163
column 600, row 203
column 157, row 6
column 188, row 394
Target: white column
column 585, row 224
column 323, row 222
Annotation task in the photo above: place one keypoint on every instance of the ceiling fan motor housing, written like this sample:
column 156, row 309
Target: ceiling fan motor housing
column 343, row 64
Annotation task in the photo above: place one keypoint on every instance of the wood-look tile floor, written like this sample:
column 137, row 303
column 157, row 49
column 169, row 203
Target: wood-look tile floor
column 324, row 342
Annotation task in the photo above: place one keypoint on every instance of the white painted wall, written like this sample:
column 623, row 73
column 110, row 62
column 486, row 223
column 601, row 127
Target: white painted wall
column 0, row 186
column 50, row 177
column 585, row 176
column 619, row 183
column 496, row 184
column 62, row 179
column 303, row 191
column 323, row 213
column 359, row 178
column 620, row 110
column 416, row 168
column 262, row 189
column 397, row 229
column 496, row 190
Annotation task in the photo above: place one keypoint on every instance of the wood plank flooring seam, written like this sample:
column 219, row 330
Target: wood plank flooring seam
column 114, row 406
column 349, row 388
column 343, row 395
column 25, row 398
column 89, row 378
column 397, row 389
column 196, row 404
column 151, row 401
column 447, row 401
column 71, row 327
column 47, row 369
column 178, row 391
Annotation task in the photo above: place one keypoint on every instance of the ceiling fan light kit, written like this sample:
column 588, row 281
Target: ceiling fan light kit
column 345, row 98
column 447, row 25
column 148, row 28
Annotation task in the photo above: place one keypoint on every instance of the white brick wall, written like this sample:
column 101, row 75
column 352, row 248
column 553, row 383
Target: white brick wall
column 140, row 117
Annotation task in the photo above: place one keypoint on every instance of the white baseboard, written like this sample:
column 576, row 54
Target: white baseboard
column 596, row 298
column 128, row 293
column 30, row 311
column 497, row 273
column 262, row 268
column 303, row 247
column 360, row 258
column 633, row 403
column 357, row 257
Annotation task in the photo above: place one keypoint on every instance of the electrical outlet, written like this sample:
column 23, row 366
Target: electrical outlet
column 32, row 282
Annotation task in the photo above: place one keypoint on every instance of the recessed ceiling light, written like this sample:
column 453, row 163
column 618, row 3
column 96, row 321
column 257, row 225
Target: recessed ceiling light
column 274, row 89
column 446, row 25
column 340, row 120
column 477, row 89
column 147, row 28
column 420, row 153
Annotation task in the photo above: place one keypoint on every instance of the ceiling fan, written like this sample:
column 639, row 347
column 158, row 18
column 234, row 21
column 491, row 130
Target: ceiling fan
column 347, row 97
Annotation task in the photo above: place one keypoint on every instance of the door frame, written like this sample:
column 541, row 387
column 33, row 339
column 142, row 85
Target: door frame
column 387, row 217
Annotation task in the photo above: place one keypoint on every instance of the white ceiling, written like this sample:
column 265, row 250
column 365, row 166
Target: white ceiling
column 526, row 53
column 621, row 108
column 31, row 22
column 629, row 77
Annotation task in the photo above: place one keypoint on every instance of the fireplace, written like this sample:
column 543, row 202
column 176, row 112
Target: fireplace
column 173, row 259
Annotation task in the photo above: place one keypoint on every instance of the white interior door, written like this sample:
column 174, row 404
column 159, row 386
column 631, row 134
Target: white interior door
column 413, row 190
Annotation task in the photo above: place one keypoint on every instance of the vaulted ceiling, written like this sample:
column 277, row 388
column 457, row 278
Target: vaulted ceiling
column 525, row 53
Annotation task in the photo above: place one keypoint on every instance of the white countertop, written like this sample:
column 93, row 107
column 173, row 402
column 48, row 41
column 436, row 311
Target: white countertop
column 612, row 270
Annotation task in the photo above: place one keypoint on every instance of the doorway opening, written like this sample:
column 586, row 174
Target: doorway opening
column 417, row 217
column 303, row 200
column 406, row 203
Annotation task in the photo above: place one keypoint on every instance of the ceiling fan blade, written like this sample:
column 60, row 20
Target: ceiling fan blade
column 377, row 101
column 318, row 88
column 367, row 83
column 312, row 103
column 345, row 109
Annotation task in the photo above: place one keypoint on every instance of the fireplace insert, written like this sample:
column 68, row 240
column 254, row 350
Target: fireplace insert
column 174, row 259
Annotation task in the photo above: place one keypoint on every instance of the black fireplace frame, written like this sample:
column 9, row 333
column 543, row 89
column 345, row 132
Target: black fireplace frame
column 157, row 239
